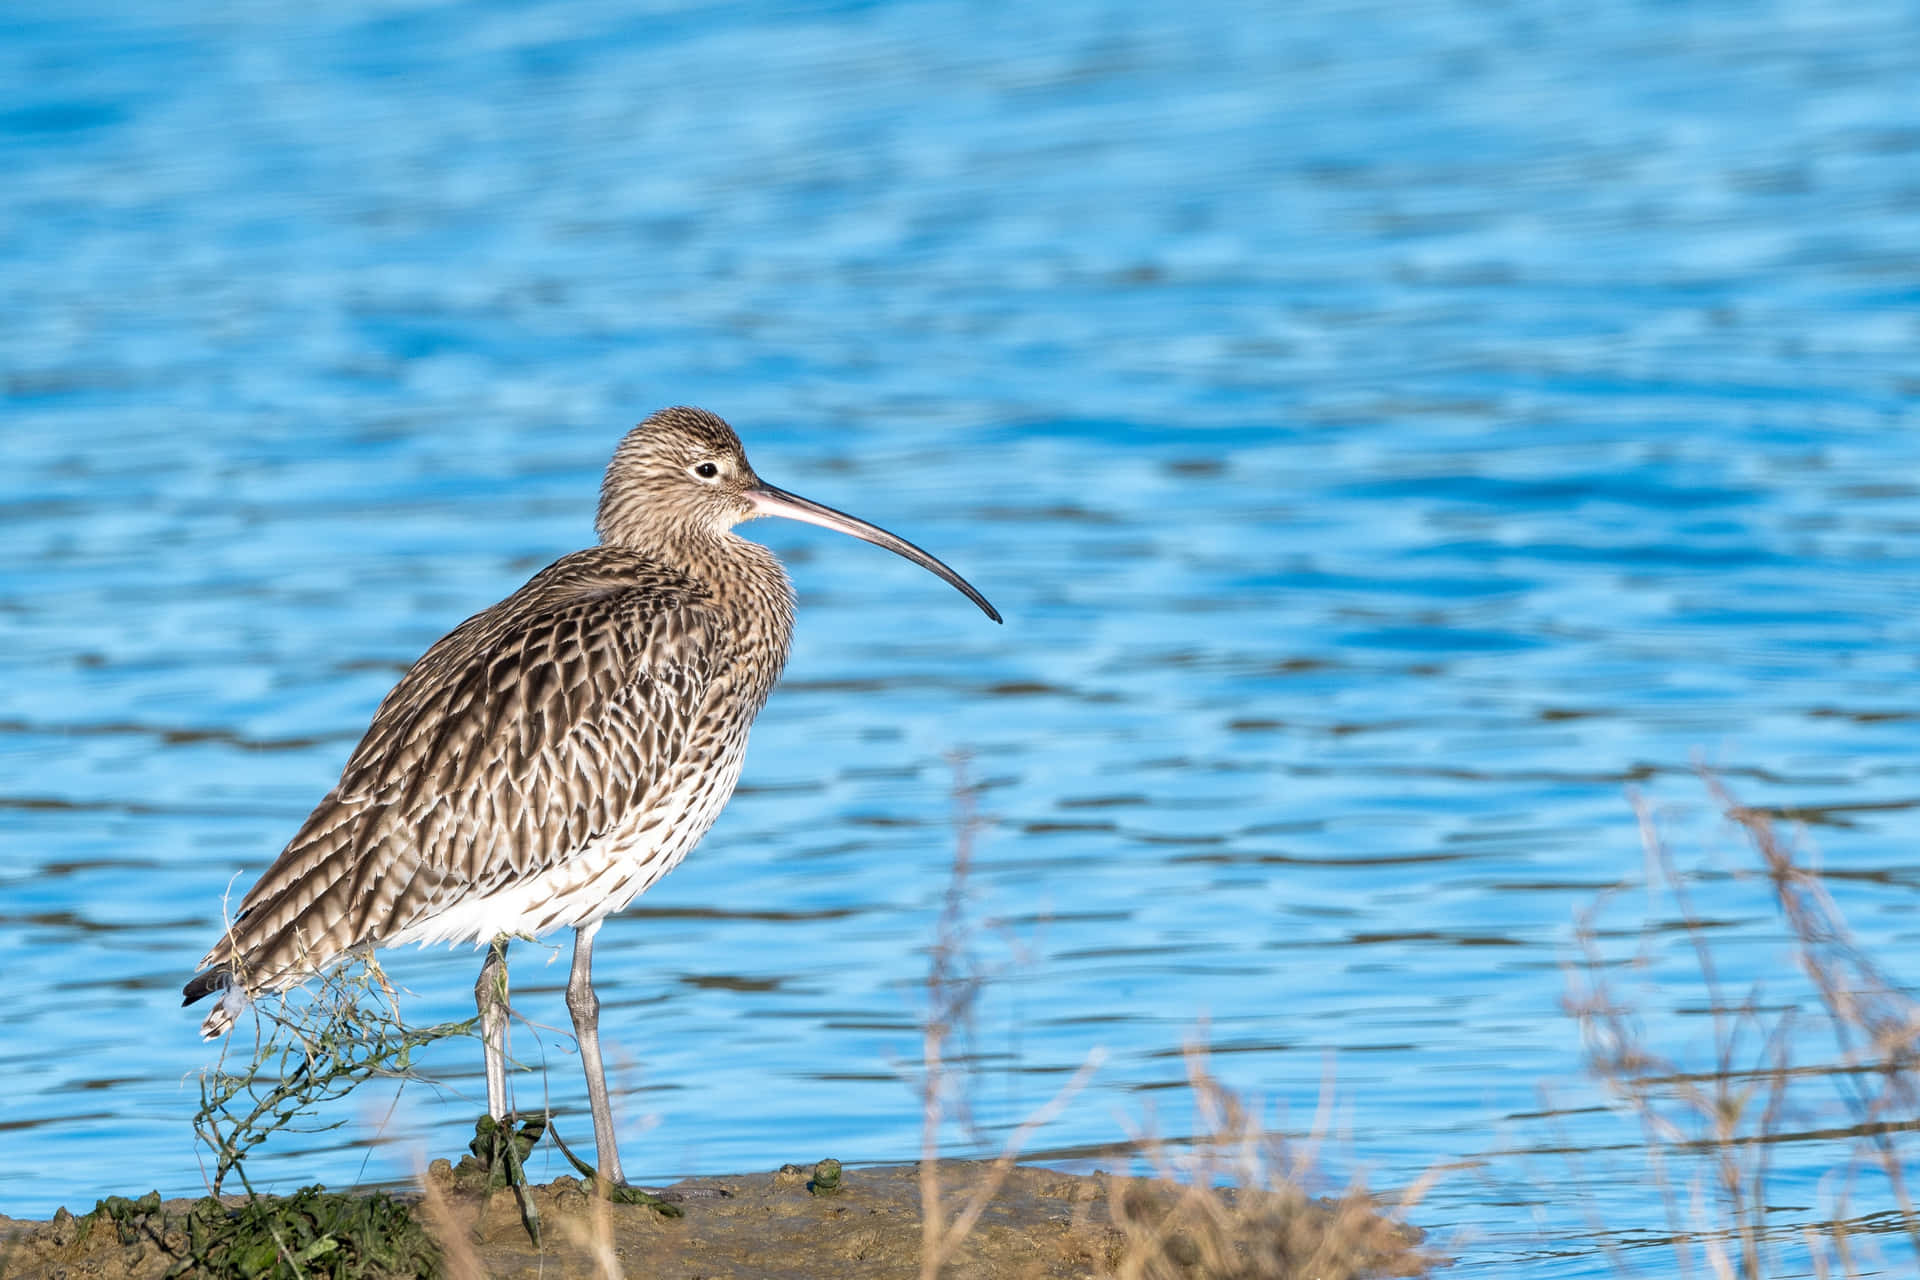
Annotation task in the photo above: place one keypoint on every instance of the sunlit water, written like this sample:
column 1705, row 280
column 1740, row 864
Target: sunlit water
column 1390, row 432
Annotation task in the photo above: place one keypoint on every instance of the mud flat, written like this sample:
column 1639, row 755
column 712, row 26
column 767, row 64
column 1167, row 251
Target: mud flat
column 799, row 1222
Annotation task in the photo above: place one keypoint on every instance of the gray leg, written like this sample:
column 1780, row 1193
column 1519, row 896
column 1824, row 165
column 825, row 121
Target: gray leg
column 490, row 995
column 585, row 1007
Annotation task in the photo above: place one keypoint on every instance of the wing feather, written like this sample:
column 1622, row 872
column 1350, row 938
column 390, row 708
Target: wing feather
column 523, row 735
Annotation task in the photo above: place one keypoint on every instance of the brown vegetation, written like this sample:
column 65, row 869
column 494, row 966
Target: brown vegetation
column 1036, row 1225
column 1709, row 1129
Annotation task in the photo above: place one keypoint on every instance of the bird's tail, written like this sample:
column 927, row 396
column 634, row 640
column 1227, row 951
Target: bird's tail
column 249, row 963
column 231, row 1004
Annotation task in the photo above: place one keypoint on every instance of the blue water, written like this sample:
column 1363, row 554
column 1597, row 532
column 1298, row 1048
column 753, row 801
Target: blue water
column 1391, row 431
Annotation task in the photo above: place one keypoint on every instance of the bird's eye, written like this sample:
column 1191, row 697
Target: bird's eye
column 706, row 470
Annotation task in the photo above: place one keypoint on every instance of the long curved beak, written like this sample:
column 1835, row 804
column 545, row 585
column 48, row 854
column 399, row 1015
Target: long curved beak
column 769, row 501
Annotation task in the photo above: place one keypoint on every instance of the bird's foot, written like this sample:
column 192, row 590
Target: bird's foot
column 682, row 1195
column 500, row 1149
column 663, row 1203
column 666, row 1202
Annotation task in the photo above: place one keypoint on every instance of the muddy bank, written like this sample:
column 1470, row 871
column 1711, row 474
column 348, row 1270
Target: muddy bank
column 773, row 1226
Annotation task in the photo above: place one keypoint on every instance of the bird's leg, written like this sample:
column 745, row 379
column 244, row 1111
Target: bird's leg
column 490, row 994
column 585, row 1007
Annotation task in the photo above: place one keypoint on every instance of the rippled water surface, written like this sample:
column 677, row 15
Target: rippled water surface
column 1391, row 432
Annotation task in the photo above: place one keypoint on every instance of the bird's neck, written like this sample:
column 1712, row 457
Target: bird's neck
column 749, row 584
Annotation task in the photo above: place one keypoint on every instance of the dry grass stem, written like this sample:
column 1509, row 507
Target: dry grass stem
column 1724, row 1118
column 596, row 1241
column 454, row 1236
column 1183, row 1223
column 1232, row 1204
column 312, row 1046
column 953, row 982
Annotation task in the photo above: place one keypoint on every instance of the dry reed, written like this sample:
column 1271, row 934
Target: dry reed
column 1710, row 1130
column 1232, row 1203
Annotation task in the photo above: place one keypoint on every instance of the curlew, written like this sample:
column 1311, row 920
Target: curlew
column 552, row 757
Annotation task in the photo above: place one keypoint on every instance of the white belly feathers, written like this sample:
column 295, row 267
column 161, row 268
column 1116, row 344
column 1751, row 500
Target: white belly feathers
column 598, row 881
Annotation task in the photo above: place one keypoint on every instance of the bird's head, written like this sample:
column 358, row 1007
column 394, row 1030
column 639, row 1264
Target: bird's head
column 683, row 475
column 681, row 472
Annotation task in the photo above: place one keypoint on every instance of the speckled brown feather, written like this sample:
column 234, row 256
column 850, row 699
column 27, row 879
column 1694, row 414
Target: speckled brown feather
column 581, row 734
column 530, row 730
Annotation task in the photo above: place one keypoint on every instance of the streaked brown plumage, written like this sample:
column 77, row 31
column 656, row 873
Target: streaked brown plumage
column 552, row 757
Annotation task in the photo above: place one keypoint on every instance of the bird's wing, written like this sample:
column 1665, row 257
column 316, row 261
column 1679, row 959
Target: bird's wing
column 513, row 743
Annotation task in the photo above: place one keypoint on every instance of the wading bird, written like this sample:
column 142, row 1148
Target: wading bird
column 552, row 757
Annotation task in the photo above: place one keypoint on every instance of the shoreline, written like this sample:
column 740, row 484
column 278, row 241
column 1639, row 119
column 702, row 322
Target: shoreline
column 798, row 1221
